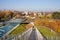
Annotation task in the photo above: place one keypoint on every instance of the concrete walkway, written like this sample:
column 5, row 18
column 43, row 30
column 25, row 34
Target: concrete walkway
column 33, row 35
column 36, row 35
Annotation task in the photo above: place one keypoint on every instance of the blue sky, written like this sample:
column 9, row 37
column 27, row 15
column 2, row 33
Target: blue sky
column 33, row 5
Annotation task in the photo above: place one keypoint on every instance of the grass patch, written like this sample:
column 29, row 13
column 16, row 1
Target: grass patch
column 20, row 29
column 46, row 32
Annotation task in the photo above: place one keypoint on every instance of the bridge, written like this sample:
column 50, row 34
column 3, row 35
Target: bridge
column 30, row 34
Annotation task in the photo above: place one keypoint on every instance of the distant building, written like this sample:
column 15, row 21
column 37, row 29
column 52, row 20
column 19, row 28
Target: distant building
column 31, row 14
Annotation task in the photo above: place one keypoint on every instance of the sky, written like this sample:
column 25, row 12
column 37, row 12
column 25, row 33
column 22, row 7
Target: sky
column 31, row 5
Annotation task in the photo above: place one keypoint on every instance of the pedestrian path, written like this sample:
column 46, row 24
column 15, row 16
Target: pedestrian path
column 36, row 35
column 33, row 35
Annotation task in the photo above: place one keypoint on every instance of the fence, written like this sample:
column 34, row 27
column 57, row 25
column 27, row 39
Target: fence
column 53, row 38
column 23, row 36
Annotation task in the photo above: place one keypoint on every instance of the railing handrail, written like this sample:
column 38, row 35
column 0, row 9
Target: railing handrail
column 26, row 32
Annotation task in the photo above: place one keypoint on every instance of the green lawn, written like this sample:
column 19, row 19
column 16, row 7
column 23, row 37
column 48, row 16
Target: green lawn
column 20, row 29
column 46, row 32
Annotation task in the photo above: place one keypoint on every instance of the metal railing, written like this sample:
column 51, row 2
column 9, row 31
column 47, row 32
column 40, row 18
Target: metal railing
column 23, row 36
column 39, row 35
column 53, row 38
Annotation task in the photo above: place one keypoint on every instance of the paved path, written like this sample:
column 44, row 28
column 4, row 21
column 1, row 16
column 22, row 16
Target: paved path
column 33, row 35
column 36, row 35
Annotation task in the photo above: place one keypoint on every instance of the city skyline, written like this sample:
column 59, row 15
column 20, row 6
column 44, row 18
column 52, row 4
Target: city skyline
column 31, row 5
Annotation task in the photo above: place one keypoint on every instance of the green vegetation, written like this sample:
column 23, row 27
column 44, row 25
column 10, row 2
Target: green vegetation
column 28, row 20
column 20, row 29
column 46, row 32
column 56, row 15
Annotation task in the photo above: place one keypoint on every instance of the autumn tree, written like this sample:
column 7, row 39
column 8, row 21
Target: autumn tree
column 1, row 15
column 9, row 15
